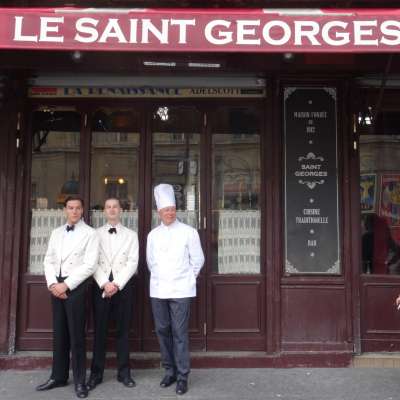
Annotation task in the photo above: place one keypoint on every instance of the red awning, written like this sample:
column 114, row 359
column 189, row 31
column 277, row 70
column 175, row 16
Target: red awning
column 201, row 30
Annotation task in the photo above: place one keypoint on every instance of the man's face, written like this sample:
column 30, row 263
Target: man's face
column 167, row 215
column 73, row 211
column 112, row 211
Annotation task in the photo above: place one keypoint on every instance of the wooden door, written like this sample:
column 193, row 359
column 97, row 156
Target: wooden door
column 235, row 270
column 175, row 156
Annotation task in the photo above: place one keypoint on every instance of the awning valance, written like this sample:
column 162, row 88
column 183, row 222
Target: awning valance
column 201, row 30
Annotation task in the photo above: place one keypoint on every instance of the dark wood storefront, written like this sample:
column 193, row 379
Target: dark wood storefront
column 272, row 311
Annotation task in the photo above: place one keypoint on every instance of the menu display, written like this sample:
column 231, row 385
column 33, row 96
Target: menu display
column 311, row 181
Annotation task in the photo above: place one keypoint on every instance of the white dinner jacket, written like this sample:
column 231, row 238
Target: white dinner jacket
column 79, row 262
column 123, row 263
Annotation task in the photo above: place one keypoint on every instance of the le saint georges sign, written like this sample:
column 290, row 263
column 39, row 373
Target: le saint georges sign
column 201, row 30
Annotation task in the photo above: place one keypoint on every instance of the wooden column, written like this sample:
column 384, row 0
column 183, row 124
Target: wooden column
column 11, row 170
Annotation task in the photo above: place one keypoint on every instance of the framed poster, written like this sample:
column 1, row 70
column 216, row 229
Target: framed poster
column 368, row 193
column 390, row 199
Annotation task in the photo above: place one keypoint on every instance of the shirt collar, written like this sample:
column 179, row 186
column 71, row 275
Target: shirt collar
column 77, row 225
column 117, row 227
column 170, row 226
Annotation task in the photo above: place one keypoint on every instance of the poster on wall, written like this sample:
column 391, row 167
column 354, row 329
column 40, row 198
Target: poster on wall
column 311, row 182
column 368, row 193
column 390, row 199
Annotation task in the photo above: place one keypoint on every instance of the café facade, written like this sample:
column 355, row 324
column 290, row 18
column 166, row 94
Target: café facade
column 279, row 131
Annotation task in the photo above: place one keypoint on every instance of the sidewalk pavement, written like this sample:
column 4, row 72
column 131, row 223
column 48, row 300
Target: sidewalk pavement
column 223, row 384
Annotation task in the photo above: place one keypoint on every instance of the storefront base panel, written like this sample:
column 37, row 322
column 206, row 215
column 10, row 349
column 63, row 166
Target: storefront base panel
column 37, row 360
column 377, row 345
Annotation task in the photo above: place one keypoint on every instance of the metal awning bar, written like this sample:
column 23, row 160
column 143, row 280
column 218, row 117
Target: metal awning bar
column 201, row 30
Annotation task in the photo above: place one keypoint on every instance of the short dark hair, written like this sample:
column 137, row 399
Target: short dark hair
column 72, row 198
column 113, row 198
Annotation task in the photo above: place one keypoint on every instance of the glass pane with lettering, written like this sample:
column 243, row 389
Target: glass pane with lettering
column 115, row 164
column 54, row 175
column 380, row 193
column 236, row 210
column 176, row 158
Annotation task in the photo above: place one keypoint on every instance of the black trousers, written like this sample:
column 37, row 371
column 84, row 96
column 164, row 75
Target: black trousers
column 69, row 319
column 171, row 319
column 119, row 307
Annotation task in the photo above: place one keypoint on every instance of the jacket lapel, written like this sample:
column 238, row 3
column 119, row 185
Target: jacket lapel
column 105, row 243
column 59, row 241
column 121, row 237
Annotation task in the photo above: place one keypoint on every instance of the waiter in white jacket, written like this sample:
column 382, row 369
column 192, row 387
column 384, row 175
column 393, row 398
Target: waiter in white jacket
column 174, row 258
column 71, row 258
column 113, row 293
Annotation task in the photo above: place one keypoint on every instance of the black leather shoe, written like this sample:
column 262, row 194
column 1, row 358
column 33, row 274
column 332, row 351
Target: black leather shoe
column 127, row 381
column 168, row 380
column 81, row 391
column 93, row 382
column 181, row 387
column 50, row 384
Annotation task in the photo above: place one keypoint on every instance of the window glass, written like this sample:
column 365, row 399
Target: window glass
column 176, row 158
column 236, row 210
column 115, row 164
column 380, row 194
column 54, row 175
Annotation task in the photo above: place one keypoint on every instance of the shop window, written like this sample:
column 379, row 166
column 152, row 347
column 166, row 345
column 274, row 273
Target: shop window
column 115, row 163
column 380, row 195
column 176, row 158
column 236, row 211
column 54, row 175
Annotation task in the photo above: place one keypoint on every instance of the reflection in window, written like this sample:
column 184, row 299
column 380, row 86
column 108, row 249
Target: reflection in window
column 115, row 164
column 236, row 216
column 380, row 202
column 176, row 141
column 54, row 175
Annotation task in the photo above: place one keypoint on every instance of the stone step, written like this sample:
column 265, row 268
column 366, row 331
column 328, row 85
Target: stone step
column 26, row 360
column 376, row 360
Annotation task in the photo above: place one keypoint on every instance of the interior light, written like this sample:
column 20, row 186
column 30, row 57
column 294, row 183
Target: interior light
column 365, row 118
column 288, row 56
column 77, row 56
column 105, row 181
column 162, row 112
column 121, row 181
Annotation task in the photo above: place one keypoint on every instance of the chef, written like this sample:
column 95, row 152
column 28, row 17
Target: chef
column 174, row 258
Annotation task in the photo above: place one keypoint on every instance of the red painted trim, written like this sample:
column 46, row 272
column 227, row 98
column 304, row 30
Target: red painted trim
column 201, row 30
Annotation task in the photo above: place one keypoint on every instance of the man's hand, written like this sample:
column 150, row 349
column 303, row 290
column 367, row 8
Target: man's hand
column 110, row 288
column 58, row 290
column 398, row 300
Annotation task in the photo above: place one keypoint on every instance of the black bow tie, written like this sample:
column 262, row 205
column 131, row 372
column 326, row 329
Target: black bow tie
column 70, row 228
column 112, row 230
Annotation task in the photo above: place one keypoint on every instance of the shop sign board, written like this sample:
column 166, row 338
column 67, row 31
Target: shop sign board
column 201, row 30
column 311, row 181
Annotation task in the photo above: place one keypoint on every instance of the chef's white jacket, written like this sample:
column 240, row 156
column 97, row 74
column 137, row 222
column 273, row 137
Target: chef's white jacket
column 174, row 258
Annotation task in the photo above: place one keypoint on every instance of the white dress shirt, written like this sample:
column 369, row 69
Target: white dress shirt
column 174, row 258
column 112, row 238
